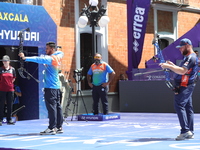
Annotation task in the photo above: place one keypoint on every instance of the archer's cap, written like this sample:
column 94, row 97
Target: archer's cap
column 6, row 58
column 184, row 42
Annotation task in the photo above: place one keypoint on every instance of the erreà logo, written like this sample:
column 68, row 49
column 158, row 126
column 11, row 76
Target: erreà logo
column 137, row 26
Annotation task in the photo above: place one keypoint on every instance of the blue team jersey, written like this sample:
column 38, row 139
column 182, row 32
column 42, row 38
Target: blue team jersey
column 189, row 62
column 16, row 99
column 99, row 73
column 52, row 65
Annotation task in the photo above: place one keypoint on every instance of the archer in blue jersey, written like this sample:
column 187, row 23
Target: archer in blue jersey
column 52, row 62
column 185, row 80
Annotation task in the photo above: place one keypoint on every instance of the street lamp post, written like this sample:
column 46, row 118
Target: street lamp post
column 96, row 17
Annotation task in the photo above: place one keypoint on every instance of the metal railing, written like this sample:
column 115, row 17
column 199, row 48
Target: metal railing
column 183, row 2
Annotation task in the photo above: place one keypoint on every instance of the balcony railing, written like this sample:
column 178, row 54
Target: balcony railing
column 179, row 2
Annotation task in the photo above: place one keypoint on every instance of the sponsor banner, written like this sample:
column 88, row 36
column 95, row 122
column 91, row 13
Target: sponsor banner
column 100, row 117
column 137, row 11
column 172, row 53
column 155, row 76
column 18, row 17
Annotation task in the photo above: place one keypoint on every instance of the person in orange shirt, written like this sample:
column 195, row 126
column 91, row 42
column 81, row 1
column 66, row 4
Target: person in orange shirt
column 98, row 81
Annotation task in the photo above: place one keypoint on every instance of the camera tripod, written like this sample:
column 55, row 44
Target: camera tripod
column 78, row 94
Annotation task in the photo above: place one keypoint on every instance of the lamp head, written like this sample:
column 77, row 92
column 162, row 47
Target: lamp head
column 93, row 2
column 104, row 21
column 82, row 21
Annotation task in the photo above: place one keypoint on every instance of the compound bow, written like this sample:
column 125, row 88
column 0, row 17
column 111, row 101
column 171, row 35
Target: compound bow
column 21, row 61
column 162, row 60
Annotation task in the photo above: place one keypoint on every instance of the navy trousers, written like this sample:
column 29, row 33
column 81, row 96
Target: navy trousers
column 99, row 92
column 184, row 108
column 52, row 101
column 7, row 97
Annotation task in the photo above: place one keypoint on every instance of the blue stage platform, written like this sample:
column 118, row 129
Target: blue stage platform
column 99, row 117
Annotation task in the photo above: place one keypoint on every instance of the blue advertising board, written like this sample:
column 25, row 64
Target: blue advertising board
column 13, row 19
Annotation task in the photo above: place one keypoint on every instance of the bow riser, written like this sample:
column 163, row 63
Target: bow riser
column 21, row 70
column 162, row 60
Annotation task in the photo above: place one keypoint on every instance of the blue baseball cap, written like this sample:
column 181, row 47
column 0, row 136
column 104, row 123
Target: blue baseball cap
column 184, row 42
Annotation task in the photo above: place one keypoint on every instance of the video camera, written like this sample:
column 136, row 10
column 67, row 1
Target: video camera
column 78, row 70
column 78, row 76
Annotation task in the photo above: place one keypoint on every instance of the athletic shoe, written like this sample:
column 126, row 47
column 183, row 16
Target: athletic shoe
column 48, row 132
column 59, row 131
column 191, row 137
column 183, row 136
column 10, row 123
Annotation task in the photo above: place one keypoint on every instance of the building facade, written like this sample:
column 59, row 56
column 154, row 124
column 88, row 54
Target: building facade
column 169, row 18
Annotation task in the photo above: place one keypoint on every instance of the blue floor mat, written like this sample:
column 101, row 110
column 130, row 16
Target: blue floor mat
column 133, row 131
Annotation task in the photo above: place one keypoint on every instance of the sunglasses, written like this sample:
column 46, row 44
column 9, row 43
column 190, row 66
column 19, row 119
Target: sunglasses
column 97, row 57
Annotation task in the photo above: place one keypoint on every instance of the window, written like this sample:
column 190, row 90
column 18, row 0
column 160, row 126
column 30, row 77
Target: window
column 163, row 43
column 86, row 57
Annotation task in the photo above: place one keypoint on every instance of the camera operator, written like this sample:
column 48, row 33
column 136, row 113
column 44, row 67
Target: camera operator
column 98, row 81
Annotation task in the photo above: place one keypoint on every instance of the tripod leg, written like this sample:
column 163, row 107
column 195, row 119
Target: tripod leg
column 66, row 114
column 75, row 105
column 83, row 101
column 77, row 95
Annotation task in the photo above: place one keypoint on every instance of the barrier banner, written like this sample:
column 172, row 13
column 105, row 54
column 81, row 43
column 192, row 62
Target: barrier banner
column 150, row 74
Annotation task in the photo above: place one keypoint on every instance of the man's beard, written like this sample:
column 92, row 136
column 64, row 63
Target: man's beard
column 185, row 51
column 48, row 53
